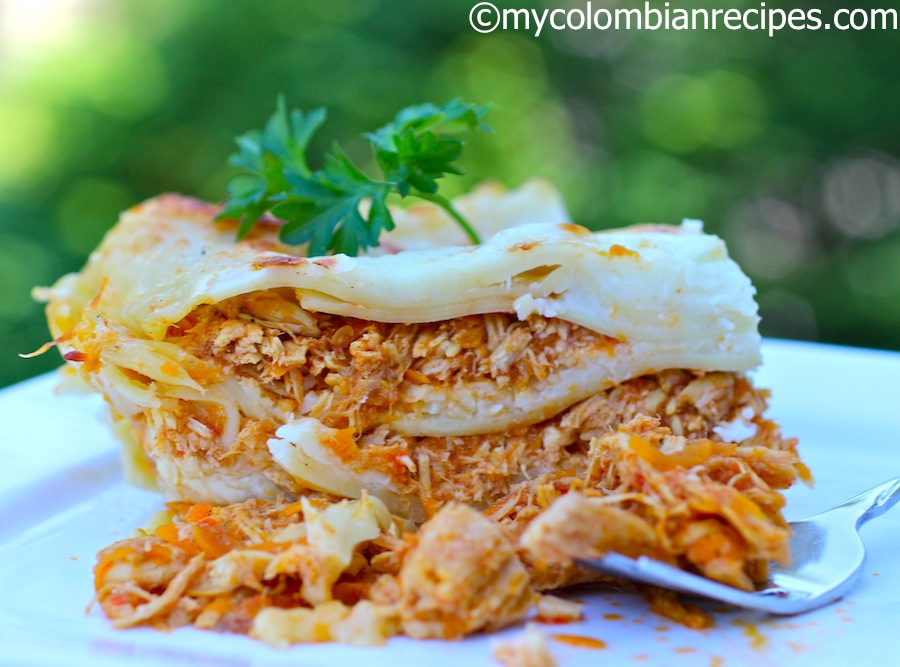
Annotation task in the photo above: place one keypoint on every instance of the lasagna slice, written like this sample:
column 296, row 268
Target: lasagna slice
column 547, row 361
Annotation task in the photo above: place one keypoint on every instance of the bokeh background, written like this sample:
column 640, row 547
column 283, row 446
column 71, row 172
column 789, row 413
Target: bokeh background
column 787, row 146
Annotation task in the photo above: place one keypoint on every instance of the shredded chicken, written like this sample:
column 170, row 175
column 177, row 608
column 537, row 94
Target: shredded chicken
column 644, row 467
column 481, row 469
column 462, row 576
column 257, row 568
column 666, row 603
column 349, row 372
column 166, row 601
column 298, row 571
column 697, row 503
column 576, row 526
column 679, row 464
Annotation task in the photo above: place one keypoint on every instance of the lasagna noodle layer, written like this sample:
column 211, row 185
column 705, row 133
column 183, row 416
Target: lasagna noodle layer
column 654, row 298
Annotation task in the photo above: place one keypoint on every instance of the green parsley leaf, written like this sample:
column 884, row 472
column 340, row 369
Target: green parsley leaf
column 322, row 208
column 269, row 157
column 454, row 116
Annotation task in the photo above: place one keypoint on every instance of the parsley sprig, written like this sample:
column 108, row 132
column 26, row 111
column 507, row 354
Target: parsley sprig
column 322, row 207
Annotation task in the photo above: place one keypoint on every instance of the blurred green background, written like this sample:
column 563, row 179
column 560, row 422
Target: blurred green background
column 785, row 146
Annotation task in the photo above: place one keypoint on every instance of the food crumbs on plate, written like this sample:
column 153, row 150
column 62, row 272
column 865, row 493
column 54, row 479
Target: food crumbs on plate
column 613, row 617
column 796, row 647
column 716, row 661
column 667, row 604
column 580, row 641
column 73, row 557
column 553, row 610
column 529, row 649
column 662, row 628
column 846, row 619
column 640, row 657
column 758, row 641
column 685, row 649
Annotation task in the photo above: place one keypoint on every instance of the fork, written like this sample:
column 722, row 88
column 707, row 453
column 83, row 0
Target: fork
column 826, row 551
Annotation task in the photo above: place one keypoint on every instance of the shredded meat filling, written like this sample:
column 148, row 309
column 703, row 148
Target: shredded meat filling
column 263, row 568
column 348, row 372
column 651, row 460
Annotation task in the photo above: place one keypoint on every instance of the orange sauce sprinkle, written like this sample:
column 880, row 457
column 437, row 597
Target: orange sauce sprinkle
column 574, row 229
column 616, row 250
column 580, row 642
column 556, row 620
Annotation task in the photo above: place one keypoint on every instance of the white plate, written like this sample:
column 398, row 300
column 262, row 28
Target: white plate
column 62, row 499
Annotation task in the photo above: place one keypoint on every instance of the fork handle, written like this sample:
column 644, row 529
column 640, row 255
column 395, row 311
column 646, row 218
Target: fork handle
column 874, row 502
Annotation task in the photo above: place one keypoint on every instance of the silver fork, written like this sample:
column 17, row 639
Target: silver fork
column 827, row 556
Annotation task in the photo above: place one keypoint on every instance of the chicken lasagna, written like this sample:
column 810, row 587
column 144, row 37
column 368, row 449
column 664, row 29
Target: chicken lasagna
column 397, row 442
